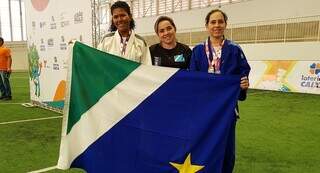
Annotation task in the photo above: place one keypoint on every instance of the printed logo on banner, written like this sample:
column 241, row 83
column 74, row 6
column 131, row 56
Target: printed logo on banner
column 42, row 25
column 42, row 45
column 50, row 42
column 63, row 44
column 312, row 80
column 315, row 69
column 63, row 22
column 55, row 65
column 53, row 25
column 78, row 17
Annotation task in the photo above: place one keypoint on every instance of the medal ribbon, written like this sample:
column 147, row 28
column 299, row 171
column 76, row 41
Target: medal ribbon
column 214, row 58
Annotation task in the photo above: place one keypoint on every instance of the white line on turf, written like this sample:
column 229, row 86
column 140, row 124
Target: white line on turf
column 28, row 120
column 44, row 169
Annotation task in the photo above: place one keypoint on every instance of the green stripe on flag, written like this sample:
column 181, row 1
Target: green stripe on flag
column 86, row 90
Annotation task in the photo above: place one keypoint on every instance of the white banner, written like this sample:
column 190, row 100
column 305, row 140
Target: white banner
column 51, row 24
column 286, row 75
column 289, row 67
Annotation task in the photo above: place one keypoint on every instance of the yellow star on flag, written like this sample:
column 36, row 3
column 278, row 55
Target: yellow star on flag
column 187, row 167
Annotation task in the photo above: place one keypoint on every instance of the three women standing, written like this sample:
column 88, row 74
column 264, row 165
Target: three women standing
column 216, row 55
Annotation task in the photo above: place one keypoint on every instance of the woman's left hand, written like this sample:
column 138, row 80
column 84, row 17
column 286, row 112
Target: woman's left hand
column 244, row 83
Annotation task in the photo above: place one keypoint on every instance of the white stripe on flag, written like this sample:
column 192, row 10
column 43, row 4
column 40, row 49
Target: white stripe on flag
column 110, row 109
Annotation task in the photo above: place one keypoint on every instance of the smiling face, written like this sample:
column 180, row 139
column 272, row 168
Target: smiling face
column 166, row 32
column 216, row 25
column 121, row 21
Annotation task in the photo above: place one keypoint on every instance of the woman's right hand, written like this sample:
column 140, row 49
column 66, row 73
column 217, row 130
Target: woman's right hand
column 244, row 83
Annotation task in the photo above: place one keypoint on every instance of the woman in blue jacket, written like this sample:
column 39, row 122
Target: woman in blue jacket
column 221, row 56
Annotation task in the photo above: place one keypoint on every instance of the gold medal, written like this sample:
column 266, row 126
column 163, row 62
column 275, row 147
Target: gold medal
column 211, row 69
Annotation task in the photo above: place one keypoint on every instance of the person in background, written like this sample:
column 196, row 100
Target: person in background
column 222, row 57
column 169, row 52
column 5, row 71
column 122, row 41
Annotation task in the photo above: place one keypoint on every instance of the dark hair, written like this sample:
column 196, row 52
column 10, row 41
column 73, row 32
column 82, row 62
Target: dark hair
column 163, row 18
column 225, row 17
column 1, row 40
column 125, row 6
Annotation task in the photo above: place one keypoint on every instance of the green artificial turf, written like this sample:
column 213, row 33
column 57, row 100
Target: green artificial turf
column 279, row 133
column 27, row 146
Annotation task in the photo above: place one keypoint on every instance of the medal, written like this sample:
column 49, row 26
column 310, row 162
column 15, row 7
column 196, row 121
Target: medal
column 210, row 69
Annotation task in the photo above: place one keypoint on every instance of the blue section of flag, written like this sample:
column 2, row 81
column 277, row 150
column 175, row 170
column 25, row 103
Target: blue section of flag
column 191, row 113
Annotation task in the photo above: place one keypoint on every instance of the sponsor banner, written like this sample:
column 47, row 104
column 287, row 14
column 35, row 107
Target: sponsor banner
column 51, row 24
column 286, row 75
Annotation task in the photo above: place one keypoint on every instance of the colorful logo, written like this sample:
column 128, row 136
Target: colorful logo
column 40, row 5
column 34, row 68
column 315, row 69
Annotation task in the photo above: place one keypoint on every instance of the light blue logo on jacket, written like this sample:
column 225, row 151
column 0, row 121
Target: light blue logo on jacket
column 179, row 58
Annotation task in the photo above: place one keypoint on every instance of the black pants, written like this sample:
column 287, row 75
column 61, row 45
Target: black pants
column 5, row 84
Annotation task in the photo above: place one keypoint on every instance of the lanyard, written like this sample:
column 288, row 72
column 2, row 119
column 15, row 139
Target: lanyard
column 213, row 56
column 124, row 43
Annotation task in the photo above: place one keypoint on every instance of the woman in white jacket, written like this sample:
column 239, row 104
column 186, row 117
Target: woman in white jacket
column 122, row 40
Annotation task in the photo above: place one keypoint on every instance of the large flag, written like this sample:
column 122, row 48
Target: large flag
column 124, row 117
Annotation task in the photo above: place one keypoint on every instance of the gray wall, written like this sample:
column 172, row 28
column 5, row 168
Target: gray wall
column 19, row 55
